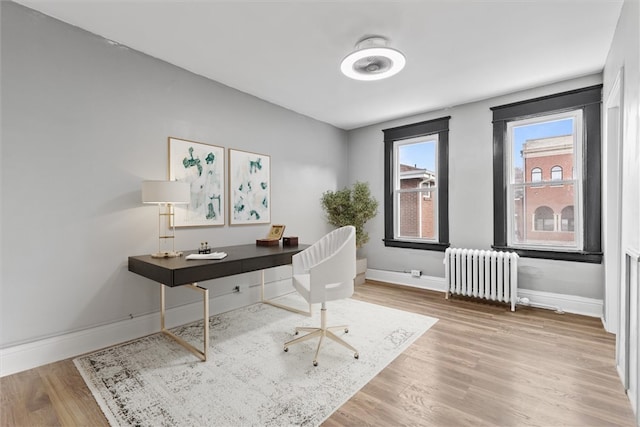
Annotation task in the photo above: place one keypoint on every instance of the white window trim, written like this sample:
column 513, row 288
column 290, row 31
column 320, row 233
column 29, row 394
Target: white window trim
column 577, row 181
column 397, row 191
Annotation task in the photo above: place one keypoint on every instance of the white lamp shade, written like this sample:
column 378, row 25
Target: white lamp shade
column 159, row 192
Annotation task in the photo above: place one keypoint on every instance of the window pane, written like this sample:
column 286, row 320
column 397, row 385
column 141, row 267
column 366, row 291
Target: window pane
column 556, row 173
column 541, row 151
column 416, row 213
column 567, row 223
column 536, row 175
column 416, row 216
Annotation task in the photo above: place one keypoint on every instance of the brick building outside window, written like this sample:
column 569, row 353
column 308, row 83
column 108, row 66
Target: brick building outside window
column 417, row 210
column 545, row 209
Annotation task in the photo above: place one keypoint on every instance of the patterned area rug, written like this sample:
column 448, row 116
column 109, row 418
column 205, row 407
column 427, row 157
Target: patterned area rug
column 248, row 379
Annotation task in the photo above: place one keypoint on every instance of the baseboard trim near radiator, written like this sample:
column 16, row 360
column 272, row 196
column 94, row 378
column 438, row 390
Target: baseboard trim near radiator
column 397, row 278
column 567, row 303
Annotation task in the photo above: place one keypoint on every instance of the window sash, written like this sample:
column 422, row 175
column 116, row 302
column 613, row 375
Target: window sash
column 430, row 192
column 513, row 186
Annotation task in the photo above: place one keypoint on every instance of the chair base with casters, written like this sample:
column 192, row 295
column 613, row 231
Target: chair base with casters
column 322, row 332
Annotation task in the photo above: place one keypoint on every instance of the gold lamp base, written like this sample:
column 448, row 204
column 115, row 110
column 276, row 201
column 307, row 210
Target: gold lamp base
column 166, row 254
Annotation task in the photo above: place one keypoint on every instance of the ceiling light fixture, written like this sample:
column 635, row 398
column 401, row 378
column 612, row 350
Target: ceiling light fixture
column 372, row 60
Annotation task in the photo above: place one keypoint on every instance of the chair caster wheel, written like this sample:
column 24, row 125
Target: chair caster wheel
column 346, row 330
column 286, row 349
column 315, row 363
column 356, row 356
column 296, row 333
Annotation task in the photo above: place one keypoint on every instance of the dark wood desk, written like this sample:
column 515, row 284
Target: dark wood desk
column 179, row 271
column 240, row 259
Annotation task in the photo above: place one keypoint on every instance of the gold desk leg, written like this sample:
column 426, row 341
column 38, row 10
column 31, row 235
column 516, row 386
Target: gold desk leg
column 205, row 294
column 275, row 304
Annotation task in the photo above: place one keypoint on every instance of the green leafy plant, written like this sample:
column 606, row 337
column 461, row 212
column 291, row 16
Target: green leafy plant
column 351, row 206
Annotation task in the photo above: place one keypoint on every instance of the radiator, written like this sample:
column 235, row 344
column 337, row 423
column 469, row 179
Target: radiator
column 491, row 275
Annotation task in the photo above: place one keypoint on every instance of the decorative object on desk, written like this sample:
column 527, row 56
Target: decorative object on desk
column 274, row 236
column 152, row 381
column 165, row 194
column 202, row 167
column 204, row 248
column 249, row 188
column 207, row 255
column 276, row 231
column 290, row 241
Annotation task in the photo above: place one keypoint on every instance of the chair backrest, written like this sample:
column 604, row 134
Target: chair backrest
column 331, row 264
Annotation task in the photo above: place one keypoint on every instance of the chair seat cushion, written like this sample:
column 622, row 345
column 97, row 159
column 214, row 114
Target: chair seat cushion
column 328, row 292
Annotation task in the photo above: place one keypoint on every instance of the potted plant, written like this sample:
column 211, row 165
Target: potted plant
column 352, row 206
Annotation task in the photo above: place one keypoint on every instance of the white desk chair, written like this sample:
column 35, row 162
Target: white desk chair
column 325, row 272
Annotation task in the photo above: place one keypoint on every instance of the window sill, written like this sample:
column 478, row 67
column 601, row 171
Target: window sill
column 589, row 257
column 407, row 244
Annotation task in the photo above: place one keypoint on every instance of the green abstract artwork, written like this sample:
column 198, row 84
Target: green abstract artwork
column 249, row 188
column 202, row 166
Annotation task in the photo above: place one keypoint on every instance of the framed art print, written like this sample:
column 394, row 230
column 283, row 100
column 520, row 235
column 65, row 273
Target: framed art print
column 202, row 166
column 249, row 188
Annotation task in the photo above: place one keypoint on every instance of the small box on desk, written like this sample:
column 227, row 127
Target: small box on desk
column 267, row 242
column 290, row 241
column 274, row 236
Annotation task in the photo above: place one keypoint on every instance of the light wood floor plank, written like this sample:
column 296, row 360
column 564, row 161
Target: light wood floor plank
column 480, row 365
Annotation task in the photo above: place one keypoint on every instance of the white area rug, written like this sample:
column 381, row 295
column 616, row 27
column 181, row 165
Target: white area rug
column 248, row 379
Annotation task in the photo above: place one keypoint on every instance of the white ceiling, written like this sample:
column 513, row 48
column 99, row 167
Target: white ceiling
column 289, row 52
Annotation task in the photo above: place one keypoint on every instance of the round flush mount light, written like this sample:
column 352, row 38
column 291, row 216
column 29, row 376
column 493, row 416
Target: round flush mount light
column 372, row 59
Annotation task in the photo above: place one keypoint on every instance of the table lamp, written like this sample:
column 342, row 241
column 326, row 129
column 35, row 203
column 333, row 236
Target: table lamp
column 165, row 194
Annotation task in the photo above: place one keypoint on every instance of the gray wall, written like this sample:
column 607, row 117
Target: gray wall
column 84, row 122
column 470, row 196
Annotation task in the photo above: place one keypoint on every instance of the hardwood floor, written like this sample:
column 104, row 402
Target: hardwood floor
column 480, row 365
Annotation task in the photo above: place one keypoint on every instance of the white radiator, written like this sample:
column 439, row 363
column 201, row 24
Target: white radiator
column 491, row 275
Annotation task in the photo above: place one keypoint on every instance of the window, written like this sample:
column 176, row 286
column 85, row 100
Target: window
column 416, row 185
column 540, row 139
column 536, row 175
column 556, row 173
column 543, row 219
column 550, row 139
column 566, row 219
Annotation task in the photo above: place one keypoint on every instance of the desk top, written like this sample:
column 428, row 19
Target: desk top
column 240, row 259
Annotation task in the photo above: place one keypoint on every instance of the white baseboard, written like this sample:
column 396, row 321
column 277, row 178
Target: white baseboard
column 567, row 303
column 31, row 355
column 422, row 282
